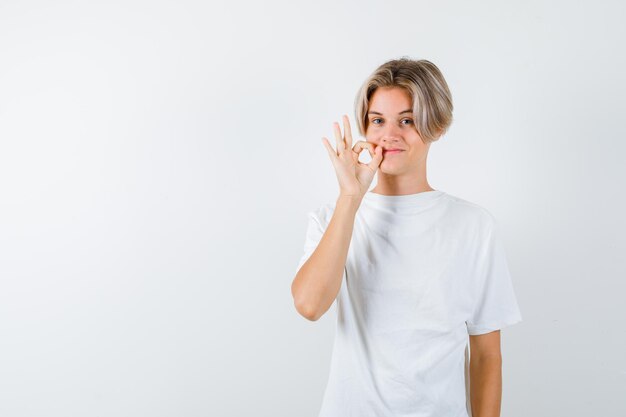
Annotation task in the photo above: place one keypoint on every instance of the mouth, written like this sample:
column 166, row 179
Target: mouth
column 392, row 151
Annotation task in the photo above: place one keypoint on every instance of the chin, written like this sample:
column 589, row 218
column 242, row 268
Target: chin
column 390, row 170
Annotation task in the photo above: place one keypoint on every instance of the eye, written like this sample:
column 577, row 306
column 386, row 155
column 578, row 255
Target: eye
column 373, row 121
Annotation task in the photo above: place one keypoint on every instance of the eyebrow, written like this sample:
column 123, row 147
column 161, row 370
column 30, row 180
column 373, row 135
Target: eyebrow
column 403, row 111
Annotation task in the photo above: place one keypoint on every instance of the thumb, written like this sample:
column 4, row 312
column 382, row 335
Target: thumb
column 378, row 157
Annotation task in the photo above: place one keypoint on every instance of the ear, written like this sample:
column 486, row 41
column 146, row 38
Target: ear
column 436, row 137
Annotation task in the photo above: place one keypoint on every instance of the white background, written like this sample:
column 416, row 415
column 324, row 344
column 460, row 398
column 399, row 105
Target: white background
column 158, row 159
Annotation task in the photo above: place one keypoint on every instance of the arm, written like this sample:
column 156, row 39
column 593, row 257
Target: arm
column 485, row 374
column 318, row 281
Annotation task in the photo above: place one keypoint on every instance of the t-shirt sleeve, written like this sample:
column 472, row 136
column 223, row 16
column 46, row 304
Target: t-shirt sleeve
column 315, row 231
column 495, row 305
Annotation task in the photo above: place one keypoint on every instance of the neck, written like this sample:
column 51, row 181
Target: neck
column 389, row 184
column 397, row 186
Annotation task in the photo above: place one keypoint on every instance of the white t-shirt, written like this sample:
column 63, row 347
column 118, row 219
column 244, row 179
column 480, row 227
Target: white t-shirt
column 423, row 272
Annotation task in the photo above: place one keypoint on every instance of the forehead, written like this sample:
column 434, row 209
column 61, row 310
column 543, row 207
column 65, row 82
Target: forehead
column 389, row 100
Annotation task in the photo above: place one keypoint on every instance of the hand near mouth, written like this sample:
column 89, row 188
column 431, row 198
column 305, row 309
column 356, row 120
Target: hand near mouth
column 354, row 176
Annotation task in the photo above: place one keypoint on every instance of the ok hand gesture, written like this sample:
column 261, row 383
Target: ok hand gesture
column 354, row 177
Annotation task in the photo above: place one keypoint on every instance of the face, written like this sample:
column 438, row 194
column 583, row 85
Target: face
column 392, row 126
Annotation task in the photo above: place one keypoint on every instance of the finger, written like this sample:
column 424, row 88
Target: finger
column 347, row 131
column 376, row 158
column 341, row 145
column 360, row 145
column 331, row 152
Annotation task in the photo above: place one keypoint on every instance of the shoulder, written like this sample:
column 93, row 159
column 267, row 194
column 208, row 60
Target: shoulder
column 469, row 212
column 323, row 213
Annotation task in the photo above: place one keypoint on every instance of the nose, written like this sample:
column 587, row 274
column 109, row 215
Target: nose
column 390, row 135
column 389, row 140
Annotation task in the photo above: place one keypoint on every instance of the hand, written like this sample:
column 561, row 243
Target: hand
column 354, row 177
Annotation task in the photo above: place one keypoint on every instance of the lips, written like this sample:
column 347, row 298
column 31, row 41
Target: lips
column 392, row 151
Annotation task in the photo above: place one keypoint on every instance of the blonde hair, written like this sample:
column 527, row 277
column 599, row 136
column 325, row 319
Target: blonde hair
column 422, row 80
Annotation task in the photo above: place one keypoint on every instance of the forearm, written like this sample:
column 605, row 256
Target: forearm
column 318, row 281
column 486, row 386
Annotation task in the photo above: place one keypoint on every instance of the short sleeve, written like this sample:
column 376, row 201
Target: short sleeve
column 495, row 304
column 314, row 234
